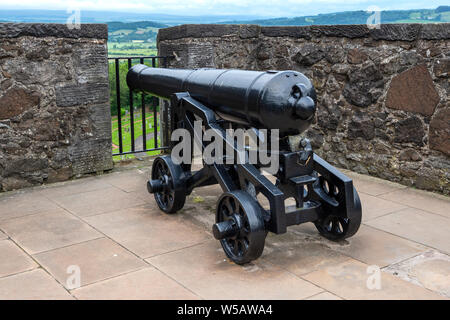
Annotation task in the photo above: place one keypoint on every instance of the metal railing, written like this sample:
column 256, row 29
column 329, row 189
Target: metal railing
column 156, row 61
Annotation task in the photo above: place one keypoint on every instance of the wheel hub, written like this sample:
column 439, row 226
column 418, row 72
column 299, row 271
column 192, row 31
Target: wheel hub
column 231, row 228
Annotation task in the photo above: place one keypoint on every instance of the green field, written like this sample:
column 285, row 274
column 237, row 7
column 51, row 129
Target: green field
column 132, row 39
column 121, row 49
column 126, row 134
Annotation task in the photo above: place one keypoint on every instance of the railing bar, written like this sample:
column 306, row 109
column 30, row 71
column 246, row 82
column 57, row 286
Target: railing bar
column 155, row 121
column 144, row 120
column 147, row 150
column 119, row 115
column 144, row 123
column 138, row 57
column 166, row 117
column 131, row 114
column 155, row 113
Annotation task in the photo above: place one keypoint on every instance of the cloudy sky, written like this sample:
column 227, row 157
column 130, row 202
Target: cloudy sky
column 270, row 8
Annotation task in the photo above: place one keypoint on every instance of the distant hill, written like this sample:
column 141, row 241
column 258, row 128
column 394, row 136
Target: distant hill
column 129, row 32
column 145, row 31
column 440, row 14
column 87, row 16
column 117, row 25
column 443, row 9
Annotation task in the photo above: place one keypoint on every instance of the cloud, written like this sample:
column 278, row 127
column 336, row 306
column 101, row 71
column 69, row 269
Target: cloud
column 222, row 7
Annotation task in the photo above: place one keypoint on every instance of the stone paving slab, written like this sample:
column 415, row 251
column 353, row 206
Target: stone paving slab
column 13, row 259
column 371, row 185
column 204, row 270
column 24, row 203
column 47, row 231
column 32, row 285
column 369, row 245
column 324, row 296
column 54, row 191
column 146, row 231
column 297, row 256
column 376, row 247
column 374, row 207
column 145, row 284
column 426, row 228
column 98, row 201
column 97, row 260
column 423, row 200
column 128, row 181
column 349, row 280
column 430, row 270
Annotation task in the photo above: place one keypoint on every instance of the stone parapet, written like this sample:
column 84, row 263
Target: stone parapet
column 55, row 120
column 383, row 94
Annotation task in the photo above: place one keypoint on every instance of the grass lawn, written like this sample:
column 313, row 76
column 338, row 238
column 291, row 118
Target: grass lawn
column 126, row 134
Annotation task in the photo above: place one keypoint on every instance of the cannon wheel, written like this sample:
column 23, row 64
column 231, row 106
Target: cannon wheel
column 244, row 213
column 173, row 194
column 338, row 228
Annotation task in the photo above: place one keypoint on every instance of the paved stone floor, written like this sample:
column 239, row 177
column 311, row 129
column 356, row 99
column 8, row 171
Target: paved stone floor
column 109, row 229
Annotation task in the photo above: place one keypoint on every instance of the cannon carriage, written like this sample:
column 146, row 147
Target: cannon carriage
column 233, row 99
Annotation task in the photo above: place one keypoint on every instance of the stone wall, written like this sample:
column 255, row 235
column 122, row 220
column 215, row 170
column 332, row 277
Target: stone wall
column 383, row 106
column 55, row 120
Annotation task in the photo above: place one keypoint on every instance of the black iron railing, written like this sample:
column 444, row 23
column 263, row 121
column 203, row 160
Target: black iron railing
column 149, row 136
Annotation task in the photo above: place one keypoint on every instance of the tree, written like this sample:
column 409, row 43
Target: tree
column 124, row 91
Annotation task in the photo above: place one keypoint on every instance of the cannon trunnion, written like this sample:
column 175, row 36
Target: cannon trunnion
column 224, row 99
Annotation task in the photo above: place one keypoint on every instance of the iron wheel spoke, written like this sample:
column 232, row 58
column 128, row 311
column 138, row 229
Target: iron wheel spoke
column 336, row 226
column 229, row 206
column 245, row 244
column 235, row 247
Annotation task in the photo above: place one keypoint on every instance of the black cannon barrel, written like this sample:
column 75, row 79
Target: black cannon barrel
column 283, row 100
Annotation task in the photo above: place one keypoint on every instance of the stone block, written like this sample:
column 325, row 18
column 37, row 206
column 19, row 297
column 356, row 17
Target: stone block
column 442, row 68
column 356, row 56
column 247, row 31
column 197, row 31
column 440, row 131
column 434, row 31
column 361, row 127
column 41, row 30
column 17, row 100
column 414, row 91
column 394, row 32
column 361, row 87
column 69, row 95
column 410, row 130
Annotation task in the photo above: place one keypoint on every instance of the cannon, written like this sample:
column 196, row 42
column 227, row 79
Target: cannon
column 273, row 106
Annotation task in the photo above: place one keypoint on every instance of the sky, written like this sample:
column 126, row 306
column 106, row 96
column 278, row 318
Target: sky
column 264, row 8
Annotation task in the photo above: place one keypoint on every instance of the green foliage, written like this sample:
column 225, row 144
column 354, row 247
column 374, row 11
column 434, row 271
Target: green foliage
column 121, row 49
column 150, row 102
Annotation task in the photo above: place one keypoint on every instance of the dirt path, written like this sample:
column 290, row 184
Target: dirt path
column 139, row 142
